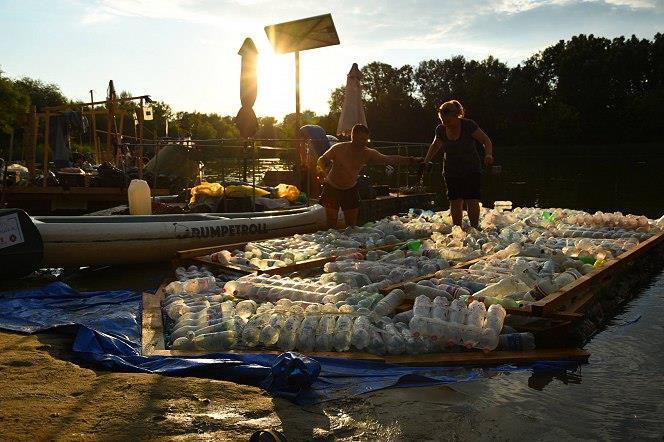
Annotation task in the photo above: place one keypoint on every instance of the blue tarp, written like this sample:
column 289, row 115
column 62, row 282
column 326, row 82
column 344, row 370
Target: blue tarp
column 109, row 334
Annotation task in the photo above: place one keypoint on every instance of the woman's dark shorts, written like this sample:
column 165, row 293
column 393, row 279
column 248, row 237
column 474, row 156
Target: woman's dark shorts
column 334, row 198
column 464, row 187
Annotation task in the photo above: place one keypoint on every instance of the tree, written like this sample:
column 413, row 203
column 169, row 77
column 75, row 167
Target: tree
column 13, row 103
column 41, row 94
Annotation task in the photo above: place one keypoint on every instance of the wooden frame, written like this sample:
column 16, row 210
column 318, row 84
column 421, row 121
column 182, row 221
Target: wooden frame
column 153, row 344
column 579, row 293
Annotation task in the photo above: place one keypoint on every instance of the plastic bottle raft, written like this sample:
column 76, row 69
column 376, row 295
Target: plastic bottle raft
column 409, row 301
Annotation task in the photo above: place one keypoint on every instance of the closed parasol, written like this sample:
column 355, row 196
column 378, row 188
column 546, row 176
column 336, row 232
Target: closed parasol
column 246, row 120
column 352, row 112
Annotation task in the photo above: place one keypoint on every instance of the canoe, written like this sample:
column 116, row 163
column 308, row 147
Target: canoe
column 105, row 240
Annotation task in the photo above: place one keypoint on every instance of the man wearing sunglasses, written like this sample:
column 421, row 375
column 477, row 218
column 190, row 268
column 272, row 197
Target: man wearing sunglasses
column 463, row 166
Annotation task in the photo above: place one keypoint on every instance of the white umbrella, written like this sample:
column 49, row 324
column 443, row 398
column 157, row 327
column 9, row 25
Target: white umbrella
column 352, row 112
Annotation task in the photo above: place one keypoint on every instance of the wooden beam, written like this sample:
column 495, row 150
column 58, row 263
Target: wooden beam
column 557, row 300
column 46, row 147
column 74, row 105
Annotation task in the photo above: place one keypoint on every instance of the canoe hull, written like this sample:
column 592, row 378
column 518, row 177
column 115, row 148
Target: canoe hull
column 86, row 241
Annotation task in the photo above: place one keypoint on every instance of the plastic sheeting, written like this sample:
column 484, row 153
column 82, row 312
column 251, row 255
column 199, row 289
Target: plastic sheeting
column 109, row 334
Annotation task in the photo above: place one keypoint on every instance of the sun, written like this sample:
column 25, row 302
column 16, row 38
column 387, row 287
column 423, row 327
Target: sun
column 276, row 83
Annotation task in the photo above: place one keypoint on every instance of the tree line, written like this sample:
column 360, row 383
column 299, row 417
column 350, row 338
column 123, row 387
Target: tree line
column 585, row 90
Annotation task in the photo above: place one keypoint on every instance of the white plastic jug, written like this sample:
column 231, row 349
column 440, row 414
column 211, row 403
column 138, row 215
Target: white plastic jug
column 139, row 198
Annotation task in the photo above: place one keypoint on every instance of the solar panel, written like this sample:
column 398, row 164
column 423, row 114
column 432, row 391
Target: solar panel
column 303, row 34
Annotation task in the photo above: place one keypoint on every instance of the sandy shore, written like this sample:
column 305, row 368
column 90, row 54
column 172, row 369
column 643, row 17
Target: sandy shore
column 47, row 394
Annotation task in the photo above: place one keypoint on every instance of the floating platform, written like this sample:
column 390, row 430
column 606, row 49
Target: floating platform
column 154, row 344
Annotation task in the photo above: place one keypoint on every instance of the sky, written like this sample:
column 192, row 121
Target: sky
column 184, row 52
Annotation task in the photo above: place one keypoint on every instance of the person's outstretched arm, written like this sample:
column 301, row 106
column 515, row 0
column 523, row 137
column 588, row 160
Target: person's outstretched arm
column 376, row 157
column 483, row 138
column 324, row 161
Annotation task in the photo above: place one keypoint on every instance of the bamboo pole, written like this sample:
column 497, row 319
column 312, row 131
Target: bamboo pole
column 31, row 141
column 94, row 128
column 47, row 118
column 140, row 140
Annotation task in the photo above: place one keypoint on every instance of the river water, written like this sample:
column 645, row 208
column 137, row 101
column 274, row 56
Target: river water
column 619, row 394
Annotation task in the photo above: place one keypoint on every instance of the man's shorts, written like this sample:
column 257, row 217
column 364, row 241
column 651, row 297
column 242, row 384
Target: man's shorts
column 464, row 187
column 334, row 198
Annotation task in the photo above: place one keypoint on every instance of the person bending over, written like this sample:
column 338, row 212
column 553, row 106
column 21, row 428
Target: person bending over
column 463, row 167
column 341, row 165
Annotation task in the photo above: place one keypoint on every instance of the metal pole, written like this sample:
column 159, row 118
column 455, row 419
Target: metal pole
column 297, row 91
column 46, row 147
column 253, row 176
column 398, row 172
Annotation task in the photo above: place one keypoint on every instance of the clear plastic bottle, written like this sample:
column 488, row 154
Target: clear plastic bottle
column 422, row 306
column 389, row 303
column 306, row 340
column 289, row 333
column 476, row 314
column 215, row 341
column 458, row 311
column 270, row 333
column 440, row 308
column 343, row 332
column 376, row 343
column 394, row 342
column 245, row 308
column 252, row 330
column 360, row 336
column 325, row 333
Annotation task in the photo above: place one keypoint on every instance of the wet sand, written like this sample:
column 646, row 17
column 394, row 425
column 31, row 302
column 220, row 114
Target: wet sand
column 47, row 394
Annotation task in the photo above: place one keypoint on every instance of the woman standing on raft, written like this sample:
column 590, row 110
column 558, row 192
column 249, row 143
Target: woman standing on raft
column 463, row 167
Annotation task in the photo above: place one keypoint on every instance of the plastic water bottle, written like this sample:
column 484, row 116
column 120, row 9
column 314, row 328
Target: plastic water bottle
column 403, row 317
column 376, row 344
column 246, row 308
column 389, row 302
column 506, row 286
column 458, row 311
column 325, row 333
column 516, row 342
column 525, row 273
column 289, row 332
column 422, row 306
column 270, row 333
column 215, row 341
column 306, row 340
column 476, row 314
column 440, row 308
column 342, row 333
column 360, row 335
column 252, row 330
column 394, row 342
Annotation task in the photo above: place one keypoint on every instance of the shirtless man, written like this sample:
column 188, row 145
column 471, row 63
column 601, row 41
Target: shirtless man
column 340, row 186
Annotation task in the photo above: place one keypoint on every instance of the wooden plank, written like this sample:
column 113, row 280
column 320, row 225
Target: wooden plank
column 556, row 300
column 197, row 255
column 490, row 358
column 152, row 334
column 201, row 251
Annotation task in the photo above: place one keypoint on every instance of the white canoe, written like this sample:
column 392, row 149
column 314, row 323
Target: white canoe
column 103, row 240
